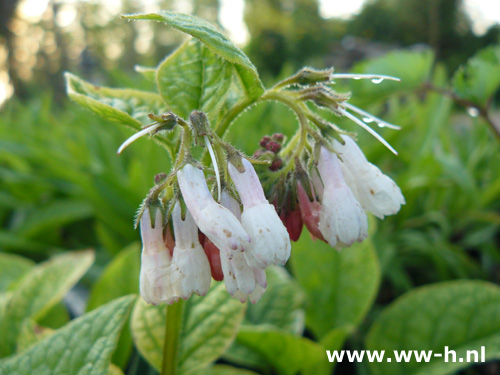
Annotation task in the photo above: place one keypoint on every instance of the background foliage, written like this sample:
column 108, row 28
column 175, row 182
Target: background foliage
column 426, row 278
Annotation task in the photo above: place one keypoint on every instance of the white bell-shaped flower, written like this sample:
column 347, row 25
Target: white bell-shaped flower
column 155, row 282
column 241, row 280
column 189, row 261
column 376, row 192
column 342, row 220
column 214, row 220
column 270, row 241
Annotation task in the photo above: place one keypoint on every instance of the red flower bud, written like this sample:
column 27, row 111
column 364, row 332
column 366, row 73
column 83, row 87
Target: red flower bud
column 264, row 141
column 278, row 137
column 273, row 146
column 276, row 164
column 293, row 223
column 213, row 255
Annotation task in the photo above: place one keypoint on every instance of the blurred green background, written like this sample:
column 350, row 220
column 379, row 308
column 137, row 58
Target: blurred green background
column 62, row 186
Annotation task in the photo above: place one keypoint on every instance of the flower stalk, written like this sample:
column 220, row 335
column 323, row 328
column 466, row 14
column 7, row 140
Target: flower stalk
column 171, row 346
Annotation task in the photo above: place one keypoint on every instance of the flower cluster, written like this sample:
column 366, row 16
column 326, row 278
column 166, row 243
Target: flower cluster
column 238, row 244
column 200, row 223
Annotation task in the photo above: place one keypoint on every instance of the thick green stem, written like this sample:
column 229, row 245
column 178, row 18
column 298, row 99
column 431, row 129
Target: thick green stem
column 172, row 338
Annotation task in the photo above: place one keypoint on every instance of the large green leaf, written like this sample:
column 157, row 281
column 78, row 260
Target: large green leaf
column 210, row 325
column 214, row 40
column 38, row 292
column 340, row 288
column 287, row 353
column 479, row 79
column 281, row 306
column 193, row 77
column 12, row 268
column 119, row 278
column 462, row 315
column 125, row 106
column 83, row 347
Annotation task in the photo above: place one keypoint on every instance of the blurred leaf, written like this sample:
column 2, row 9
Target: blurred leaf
column 193, row 77
column 479, row 79
column 463, row 315
column 56, row 317
column 288, row 354
column 38, row 292
column 340, row 288
column 119, row 278
column 125, row 106
column 83, row 347
column 413, row 68
column 12, row 269
column 147, row 72
column 210, row 325
column 54, row 215
column 214, row 40
column 30, row 334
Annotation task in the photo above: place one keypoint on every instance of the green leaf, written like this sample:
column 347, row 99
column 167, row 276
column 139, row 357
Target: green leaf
column 12, row 268
column 479, row 79
column 193, row 77
column 463, row 315
column 125, row 106
column 38, row 292
column 83, row 347
column 210, row 325
column 30, row 334
column 340, row 288
column 54, row 215
column 119, row 278
column 147, row 72
column 281, row 306
column 56, row 317
column 214, row 40
column 288, row 354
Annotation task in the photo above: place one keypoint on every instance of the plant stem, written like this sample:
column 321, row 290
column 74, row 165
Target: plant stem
column 172, row 338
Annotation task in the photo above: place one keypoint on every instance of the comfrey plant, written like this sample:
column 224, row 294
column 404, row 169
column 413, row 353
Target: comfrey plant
column 223, row 215
column 228, row 216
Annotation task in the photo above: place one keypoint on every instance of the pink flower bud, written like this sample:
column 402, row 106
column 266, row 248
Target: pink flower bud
column 293, row 222
column 213, row 255
column 310, row 212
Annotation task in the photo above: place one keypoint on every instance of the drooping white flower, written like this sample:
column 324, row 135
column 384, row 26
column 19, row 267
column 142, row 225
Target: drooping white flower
column 189, row 261
column 241, row 280
column 342, row 220
column 376, row 192
column 270, row 241
column 155, row 280
column 214, row 220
